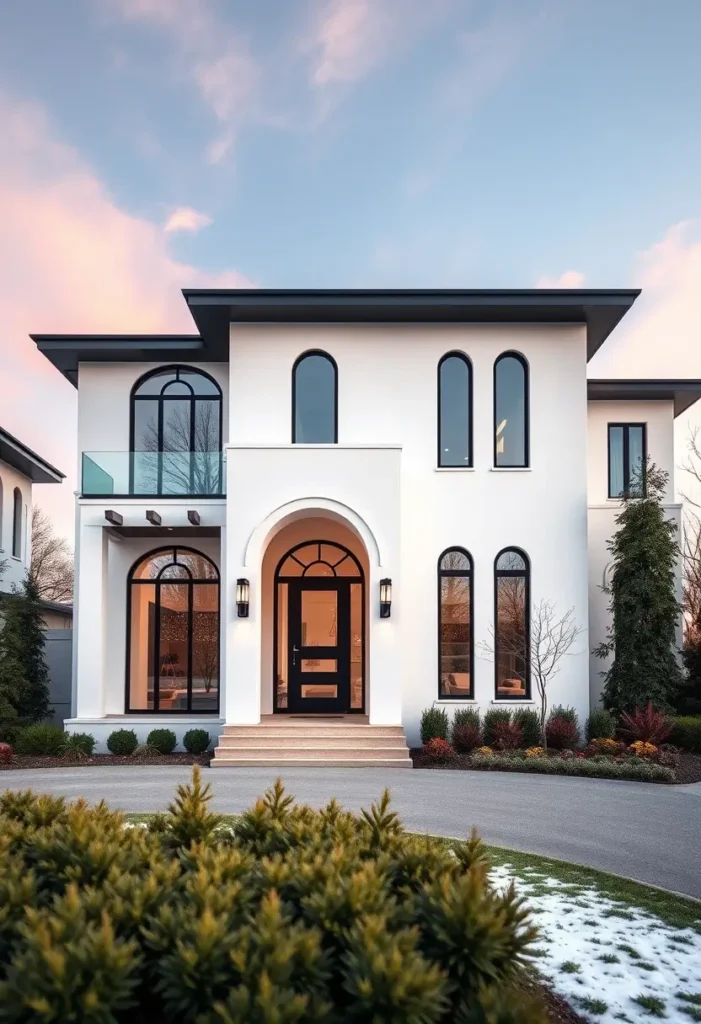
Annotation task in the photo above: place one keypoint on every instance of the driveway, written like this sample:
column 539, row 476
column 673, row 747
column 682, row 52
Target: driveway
column 642, row 831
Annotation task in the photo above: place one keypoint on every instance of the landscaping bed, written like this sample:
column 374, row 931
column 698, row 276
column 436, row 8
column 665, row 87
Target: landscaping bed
column 102, row 760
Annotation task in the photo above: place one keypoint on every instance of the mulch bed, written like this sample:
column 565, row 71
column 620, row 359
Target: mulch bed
column 560, row 1011
column 688, row 770
column 101, row 760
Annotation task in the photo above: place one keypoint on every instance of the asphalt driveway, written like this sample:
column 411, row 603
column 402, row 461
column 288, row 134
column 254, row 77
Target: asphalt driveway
column 643, row 831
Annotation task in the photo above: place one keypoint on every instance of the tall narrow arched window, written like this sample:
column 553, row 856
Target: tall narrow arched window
column 455, row 630
column 176, row 433
column 17, row 523
column 510, row 411
column 2, row 507
column 173, row 633
column 315, row 399
column 454, row 410
column 512, row 625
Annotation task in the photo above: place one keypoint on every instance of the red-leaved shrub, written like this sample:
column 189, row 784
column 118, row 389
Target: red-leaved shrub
column 561, row 733
column 507, row 736
column 6, row 753
column 645, row 724
column 438, row 750
column 466, row 738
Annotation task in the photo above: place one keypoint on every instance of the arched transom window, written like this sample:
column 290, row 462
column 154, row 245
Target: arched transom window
column 512, row 627
column 173, row 639
column 455, row 647
column 176, row 433
column 319, row 559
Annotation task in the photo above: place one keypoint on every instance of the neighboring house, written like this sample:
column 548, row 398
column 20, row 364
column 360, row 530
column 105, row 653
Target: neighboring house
column 319, row 503
column 56, row 615
column 20, row 467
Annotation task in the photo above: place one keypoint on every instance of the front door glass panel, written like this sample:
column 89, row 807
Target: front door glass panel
column 319, row 617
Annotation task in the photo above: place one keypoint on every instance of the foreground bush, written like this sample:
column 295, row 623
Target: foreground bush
column 78, row 744
column 492, row 718
column 601, row 725
column 528, row 721
column 466, row 738
column 507, row 736
column 467, row 716
column 164, row 740
column 293, row 916
column 6, row 753
column 561, row 733
column 196, row 741
column 438, row 751
column 122, row 741
column 645, row 724
column 686, row 733
column 41, row 740
column 434, row 724
column 636, row 769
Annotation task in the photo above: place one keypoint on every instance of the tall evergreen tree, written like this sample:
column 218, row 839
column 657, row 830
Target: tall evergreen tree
column 644, row 609
column 24, row 674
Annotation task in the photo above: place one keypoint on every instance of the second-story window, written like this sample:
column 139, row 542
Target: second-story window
column 627, row 456
column 454, row 411
column 176, row 433
column 510, row 411
column 315, row 399
column 17, row 523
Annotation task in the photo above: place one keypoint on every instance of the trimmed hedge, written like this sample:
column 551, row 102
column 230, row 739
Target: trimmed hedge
column 78, row 744
column 164, row 740
column 601, row 725
column 491, row 718
column 641, row 771
column 122, row 741
column 293, row 916
column 467, row 716
column 196, row 741
column 40, row 740
column 686, row 733
column 529, row 721
column 434, row 724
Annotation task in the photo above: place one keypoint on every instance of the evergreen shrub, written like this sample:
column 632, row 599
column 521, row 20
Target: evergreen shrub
column 434, row 724
column 122, row 741
column 491, row 718
column 196, row 741
column 78, row 744
column 686, row 733
column 466, row 716
column 164, row 740
column 292, row 916
column 529, row 722
column 41, row 740
column 601, row 725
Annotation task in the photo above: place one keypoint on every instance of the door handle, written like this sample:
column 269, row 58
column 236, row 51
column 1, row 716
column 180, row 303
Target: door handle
column 295, row 652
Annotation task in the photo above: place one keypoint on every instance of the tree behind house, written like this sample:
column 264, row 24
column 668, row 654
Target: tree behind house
column 642, row 634
column 52, row 560
column 23, row 670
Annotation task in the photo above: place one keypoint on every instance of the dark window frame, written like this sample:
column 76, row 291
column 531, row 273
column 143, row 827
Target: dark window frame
column 162, row 398
column 278, row 577
column 455, row 354
column 626, row 456
column 157, row 582
column 442, row 574
column 17, row 502
column 524, row 574
column 511, row 354
column 300, row 359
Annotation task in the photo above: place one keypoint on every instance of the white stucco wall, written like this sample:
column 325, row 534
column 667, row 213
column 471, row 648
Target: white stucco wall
column 16, row 568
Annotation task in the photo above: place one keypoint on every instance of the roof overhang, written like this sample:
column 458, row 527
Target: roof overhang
column 27, row 462
column 683, row 393
column 600, row 310
column 65, row 351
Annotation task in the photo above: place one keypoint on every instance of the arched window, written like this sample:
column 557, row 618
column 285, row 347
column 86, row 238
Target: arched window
column 512, row 625
column 173, row 633
column 176, row 433
column 455, row 630
column 315, row 399
column 454, row 410
column 2, row 505
column 510, row 411
column 17, row 523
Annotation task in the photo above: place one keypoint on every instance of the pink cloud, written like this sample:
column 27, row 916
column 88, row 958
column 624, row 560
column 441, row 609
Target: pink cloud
column 184, row 218
column 71, row 260
column 568, row 279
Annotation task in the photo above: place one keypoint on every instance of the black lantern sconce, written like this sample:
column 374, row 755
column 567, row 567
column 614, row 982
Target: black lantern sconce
column 242, row 595
column 385, row 598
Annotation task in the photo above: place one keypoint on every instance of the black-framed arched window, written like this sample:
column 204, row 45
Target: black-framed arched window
column 511, row 413
column 17, row 523
column 2, row 512
column 173, row 633
column 512, row 603
column 315, row 399
column 455, row 625
column 455, row 410
column 176, row 433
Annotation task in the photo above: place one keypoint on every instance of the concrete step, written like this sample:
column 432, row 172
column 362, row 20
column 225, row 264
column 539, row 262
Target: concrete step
column 310, row 762
column 326, row 751
column 292, row 731
column 306, row 739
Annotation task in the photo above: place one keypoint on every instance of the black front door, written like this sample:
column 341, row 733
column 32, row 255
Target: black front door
column 319, row 638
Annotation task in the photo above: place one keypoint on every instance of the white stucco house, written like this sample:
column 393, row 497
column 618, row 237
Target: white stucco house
column 296, row 526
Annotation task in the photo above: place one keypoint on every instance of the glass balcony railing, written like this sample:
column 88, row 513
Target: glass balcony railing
column 152, row 474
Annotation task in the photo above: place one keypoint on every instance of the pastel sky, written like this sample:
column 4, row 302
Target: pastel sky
column 149, row 145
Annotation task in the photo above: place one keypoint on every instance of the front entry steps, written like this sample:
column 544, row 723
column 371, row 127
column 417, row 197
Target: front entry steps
column 282, row 741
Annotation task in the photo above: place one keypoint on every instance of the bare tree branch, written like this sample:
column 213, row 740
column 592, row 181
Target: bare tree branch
column 52, row 560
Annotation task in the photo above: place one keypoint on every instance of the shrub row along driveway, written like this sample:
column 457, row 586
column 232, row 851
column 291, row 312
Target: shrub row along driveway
column 643, row 831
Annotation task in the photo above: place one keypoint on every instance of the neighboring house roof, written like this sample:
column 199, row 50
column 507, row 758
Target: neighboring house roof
column 56, row 606
column 27, row 462
column 213, row 310
column 682, row 392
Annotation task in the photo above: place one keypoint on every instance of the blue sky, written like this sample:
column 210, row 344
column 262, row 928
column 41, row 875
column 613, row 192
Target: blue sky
column 152, row 144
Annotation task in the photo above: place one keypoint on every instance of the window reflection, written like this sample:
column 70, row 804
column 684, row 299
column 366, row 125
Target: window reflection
column 510, row 412
column 314, row 399
column 512, row 626
column 455, row 624
column 455, row 414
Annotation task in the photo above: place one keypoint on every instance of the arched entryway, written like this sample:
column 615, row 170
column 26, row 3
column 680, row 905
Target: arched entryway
column 319, row 630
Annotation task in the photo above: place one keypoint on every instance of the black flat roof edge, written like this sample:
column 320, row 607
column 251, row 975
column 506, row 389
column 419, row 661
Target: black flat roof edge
column 683, row 393
column 28, row 456
column 534, row 295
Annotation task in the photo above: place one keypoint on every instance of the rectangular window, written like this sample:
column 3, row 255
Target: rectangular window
column 627, row 456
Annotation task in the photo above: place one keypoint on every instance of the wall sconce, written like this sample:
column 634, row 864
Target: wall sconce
column 385, row 598
column 242, row 595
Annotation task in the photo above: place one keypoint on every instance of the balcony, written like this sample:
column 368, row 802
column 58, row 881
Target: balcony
column 152, row 474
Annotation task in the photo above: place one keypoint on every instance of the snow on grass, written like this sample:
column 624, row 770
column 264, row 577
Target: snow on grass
column 611, row 961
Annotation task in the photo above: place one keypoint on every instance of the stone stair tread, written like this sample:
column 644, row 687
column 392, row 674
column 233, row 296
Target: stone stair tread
column 321, row 762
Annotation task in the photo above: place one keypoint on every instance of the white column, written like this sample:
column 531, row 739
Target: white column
column 91, row 611
column 385, row 691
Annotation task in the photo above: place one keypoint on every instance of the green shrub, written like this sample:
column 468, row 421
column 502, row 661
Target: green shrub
column 529, row 721
column 164, row 740
column 601, row 725
column 686, row 733
column 78, row 744
column 196, row 741
column 122, row 741
column 434, row 724
column 491, row 718
column 41, row 740
column 636, row 770
column 467, row 716
column 292, row 916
